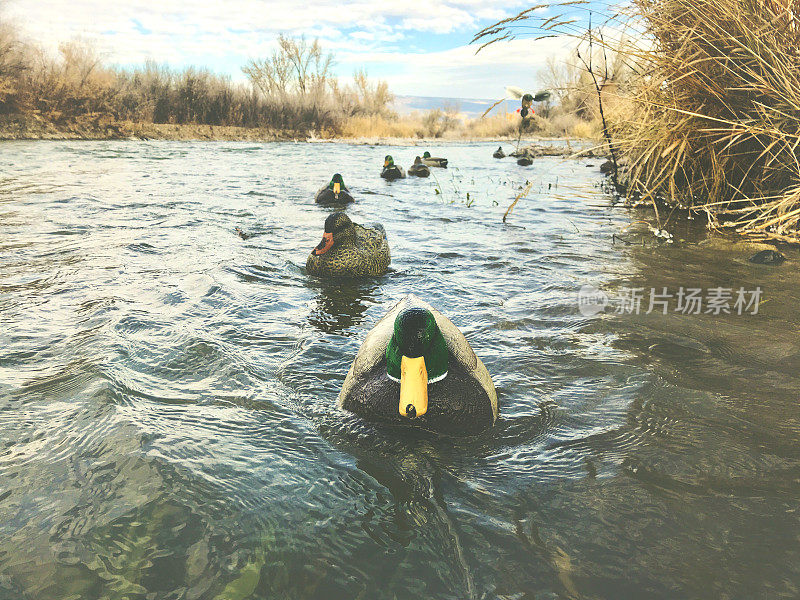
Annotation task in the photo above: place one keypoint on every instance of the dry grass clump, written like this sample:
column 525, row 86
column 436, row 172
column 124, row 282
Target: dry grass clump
column 377, row 126
column 435, row 123
column 710, row 117
column 496, row 126
column 717, row 125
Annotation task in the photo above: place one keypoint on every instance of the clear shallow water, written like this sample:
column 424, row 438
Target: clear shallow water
column 168, row 426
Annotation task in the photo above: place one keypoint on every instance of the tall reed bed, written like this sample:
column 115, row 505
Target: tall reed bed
column 710, row 118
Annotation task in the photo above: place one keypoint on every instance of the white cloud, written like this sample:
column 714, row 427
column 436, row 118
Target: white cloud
column 224, row 34
column 461, row 73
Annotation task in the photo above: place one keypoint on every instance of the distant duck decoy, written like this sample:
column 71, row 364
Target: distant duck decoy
column 499, row 153
column 349, row 250
column 525, row 160
column 390, row 170
column 416, row 369
column 243, row 234
column 419, row 169
column 767, row 257
column 335, row 192
column 433, row 161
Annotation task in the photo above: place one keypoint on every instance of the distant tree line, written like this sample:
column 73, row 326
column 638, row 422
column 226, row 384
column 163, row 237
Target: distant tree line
column 293, row 89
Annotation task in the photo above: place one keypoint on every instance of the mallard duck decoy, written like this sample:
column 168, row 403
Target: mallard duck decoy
column 433, row 161
column 419, row 169
column 415, row 368
column 390, row 170
column 525, row 160
column 335, row 192
column 349, row 250
column 499, row 153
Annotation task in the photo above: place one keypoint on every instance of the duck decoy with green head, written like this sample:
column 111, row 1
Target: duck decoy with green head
column 499, row 153
column 434, row 161
column 349, row 250
column 416, row 369
column 335, row 192
column 390, row 170
column 419, row 169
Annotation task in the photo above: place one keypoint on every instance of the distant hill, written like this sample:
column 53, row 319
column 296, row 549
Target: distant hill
column 468, row 107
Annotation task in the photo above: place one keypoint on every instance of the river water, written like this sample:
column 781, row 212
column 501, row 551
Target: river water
column 168, row 420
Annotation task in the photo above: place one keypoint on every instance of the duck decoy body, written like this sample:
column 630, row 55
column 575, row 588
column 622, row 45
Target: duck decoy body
column 416, row 369
column 418, row 169
column 499, row 153
column 390, row 170
column 434, row 161
column 335, row 192
column 349, row 250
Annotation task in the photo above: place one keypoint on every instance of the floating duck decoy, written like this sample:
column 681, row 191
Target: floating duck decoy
column 499, row 153
column 525, row 160
column 419, row 169
column 433, row 161
column 415, row 368
column 349, row 250
column 242, row 234
column 335, row 192
column 390, row 170
column 767, row 257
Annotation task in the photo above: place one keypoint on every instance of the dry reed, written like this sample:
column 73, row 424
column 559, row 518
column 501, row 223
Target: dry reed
column 711, row 120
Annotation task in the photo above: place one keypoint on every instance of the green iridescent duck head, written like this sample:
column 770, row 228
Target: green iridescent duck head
column 416, row 356
column 337, row 184
column 388, row 161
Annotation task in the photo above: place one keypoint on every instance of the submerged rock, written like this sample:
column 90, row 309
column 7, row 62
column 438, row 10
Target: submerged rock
column 767, row 257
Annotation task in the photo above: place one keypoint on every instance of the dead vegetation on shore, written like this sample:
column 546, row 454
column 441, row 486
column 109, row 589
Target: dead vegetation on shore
column 708, row 115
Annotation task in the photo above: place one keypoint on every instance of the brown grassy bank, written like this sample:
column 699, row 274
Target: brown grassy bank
column 100, row 127
column 398, row 133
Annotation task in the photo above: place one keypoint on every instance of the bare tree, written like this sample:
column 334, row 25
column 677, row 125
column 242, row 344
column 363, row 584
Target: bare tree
column 295, row 67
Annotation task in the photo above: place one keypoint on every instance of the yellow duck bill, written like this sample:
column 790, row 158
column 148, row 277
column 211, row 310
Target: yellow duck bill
column 413, row 387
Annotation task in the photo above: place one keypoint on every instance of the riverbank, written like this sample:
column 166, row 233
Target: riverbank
column 102, row 127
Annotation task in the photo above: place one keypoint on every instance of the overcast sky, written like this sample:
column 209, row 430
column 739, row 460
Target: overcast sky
column 419, row 46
